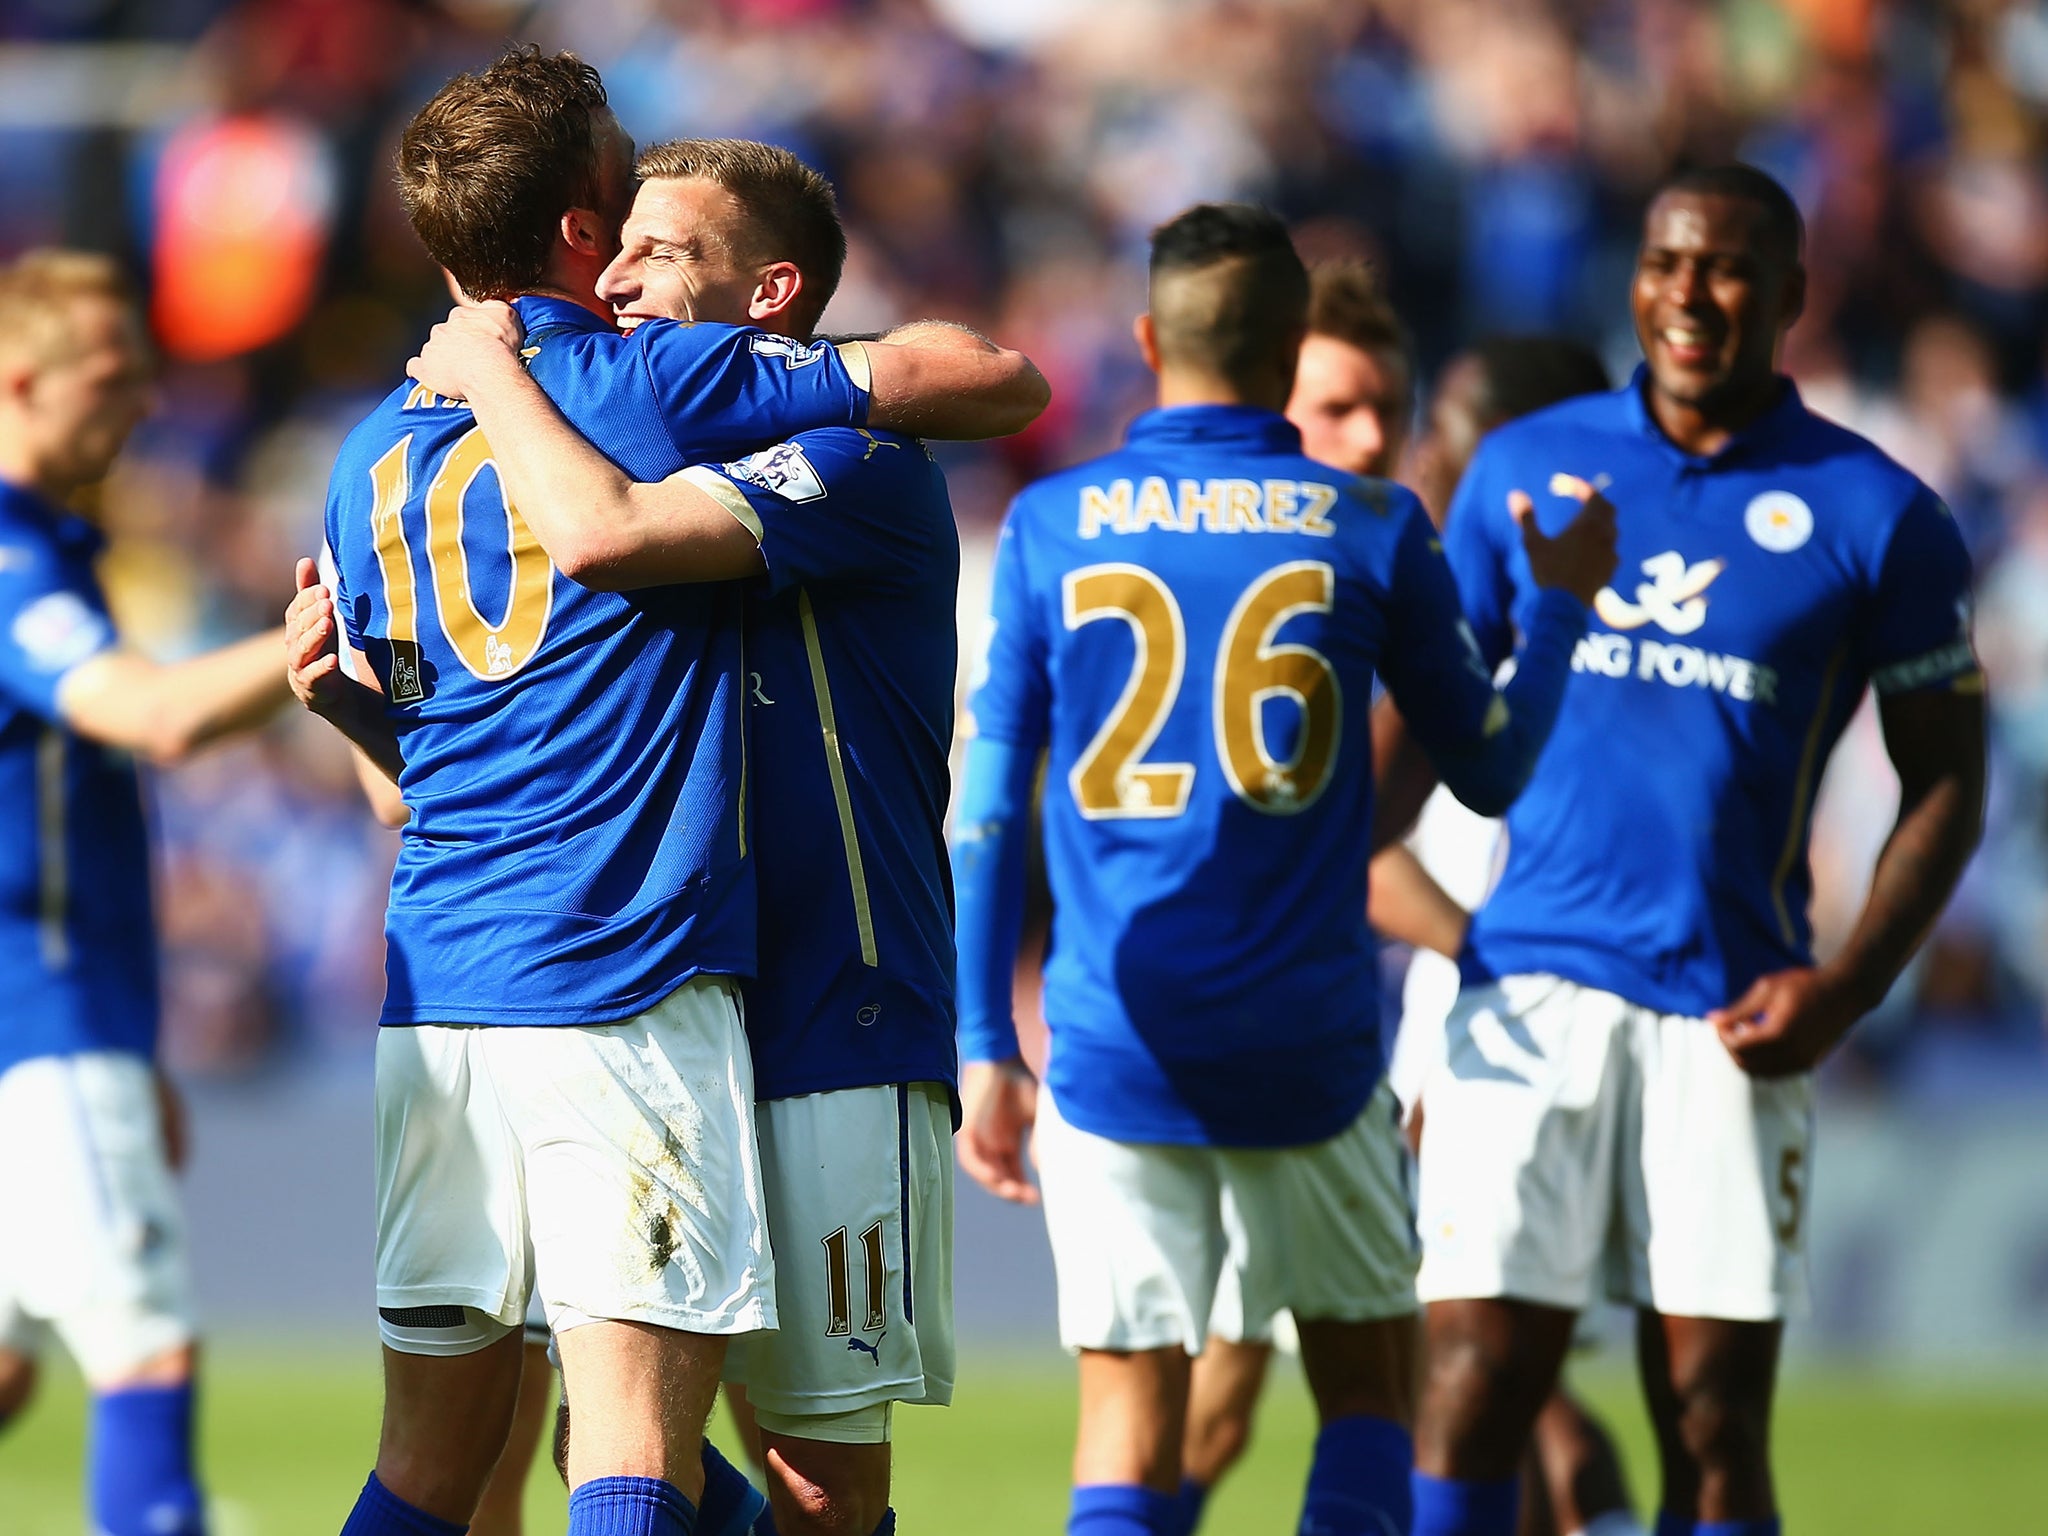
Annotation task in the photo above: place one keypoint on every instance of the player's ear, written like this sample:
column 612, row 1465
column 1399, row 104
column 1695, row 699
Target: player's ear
column 583, row 231
column 1148, row 340
column 776, row 291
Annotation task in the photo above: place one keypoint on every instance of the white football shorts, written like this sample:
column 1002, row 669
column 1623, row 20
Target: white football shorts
column 94, row 1237
column 611, row 1166
column 1141, row 1233
column 860, row 1207
column 1573, row 1141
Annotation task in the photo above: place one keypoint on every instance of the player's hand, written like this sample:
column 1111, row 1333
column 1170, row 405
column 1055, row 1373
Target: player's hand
column 1581, row 559
column 475, row 338
column 1787, row 1021
column 312, row 642
column 170, row 1109
column 463, row 349
column 998, row 1103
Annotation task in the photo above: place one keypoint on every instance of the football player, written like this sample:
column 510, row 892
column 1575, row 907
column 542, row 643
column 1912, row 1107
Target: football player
column 851, row 657
column 565, row 1099
column 1190, row 628
column 1627, row 1101
column 90, row 1133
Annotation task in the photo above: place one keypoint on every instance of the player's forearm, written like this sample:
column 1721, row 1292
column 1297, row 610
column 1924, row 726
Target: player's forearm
column 600, row 527
column 989, row 849
column 1938, row 829
column 360, row 714
column 939, row 381
column 1487, row 774
column 1403, row 777
column 167, row 712
column 1404, row 903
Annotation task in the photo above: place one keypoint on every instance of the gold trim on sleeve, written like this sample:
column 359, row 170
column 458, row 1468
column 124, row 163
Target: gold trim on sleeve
column 726, row 494
column 858, row 364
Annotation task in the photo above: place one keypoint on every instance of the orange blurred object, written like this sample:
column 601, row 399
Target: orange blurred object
column 243, row 208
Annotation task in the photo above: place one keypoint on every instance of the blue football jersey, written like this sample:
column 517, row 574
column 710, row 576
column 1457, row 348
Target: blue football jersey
column 852, row 650
column 1192, row 626
column 1659, row 852
column 78, row 960
column 573, row 759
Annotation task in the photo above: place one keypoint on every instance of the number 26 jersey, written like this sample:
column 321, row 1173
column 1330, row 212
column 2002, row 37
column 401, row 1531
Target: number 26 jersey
column 1191, row 628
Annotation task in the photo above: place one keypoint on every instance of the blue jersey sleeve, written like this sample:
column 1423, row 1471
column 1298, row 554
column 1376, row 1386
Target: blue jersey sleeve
column 721, row 382
column 843, row 504
column 991, row 836
column 1484, row 742
column 1473, row 534
column 1916, row 632
column 1009, row 696
column 50, row 621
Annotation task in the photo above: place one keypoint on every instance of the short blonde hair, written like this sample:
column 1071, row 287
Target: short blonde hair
column 37, row 290
column 790, row 210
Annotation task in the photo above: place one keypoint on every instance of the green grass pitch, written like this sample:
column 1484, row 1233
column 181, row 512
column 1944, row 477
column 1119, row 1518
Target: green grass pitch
column 287, row 1442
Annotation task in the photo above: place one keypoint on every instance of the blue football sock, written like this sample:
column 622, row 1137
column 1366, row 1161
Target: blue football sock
column 380, row 1512
column 764, row 1522
column 141, row 1476
column 1187, row 1506
column 1358, row 1482
column 630, row 1506
column 887, row 1524
column 1449, row 1506
column 1119, row 1509
column 1737, row 1527
column 731, row 1506
column 1669, row 1524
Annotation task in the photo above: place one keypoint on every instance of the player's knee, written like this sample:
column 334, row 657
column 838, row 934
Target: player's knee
column 17, row 1383
column 828, row 1473
column 1720, row 1429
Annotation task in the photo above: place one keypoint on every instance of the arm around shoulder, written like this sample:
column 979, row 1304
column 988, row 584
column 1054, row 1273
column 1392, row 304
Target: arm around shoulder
column 931, row 379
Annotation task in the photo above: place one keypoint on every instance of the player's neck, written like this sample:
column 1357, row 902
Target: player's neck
column 21, row 467
column 1704, row 427
column 1186, row 387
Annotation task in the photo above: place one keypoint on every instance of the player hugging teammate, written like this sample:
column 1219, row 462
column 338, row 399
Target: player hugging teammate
column 1621, row 1104
column 706, row 514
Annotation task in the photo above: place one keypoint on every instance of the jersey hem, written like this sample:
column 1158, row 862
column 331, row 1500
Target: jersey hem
column 547, row 1018
column 1184, row 1133
column 1485, row 964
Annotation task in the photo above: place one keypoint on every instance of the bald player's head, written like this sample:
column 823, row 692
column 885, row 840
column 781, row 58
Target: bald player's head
column 1229, row 302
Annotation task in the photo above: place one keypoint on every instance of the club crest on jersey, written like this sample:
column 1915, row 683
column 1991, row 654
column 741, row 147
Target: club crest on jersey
column 794, row 354
column 1779, row 522
column 782, row 470
column 1674, row 598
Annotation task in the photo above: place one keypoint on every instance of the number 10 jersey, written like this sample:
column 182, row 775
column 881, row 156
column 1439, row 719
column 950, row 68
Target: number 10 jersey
column 574, row 760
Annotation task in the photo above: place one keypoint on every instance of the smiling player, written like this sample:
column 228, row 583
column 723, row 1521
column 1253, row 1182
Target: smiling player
column 1628, row 1097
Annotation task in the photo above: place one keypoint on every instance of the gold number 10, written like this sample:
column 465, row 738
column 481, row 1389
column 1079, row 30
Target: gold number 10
column 1110, row 781
column 491, row 651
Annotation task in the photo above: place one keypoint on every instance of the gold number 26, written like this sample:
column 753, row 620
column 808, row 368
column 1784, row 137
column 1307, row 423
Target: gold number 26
column 1111, row 780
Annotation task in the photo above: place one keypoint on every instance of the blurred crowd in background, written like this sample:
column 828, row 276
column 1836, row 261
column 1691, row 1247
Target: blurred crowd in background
column 1000, row 162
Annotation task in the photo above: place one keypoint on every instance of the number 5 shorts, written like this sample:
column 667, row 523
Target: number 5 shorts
column 860, row 1206
column 1143, row 1233
column 611, row 1166
column 1574, row 1143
